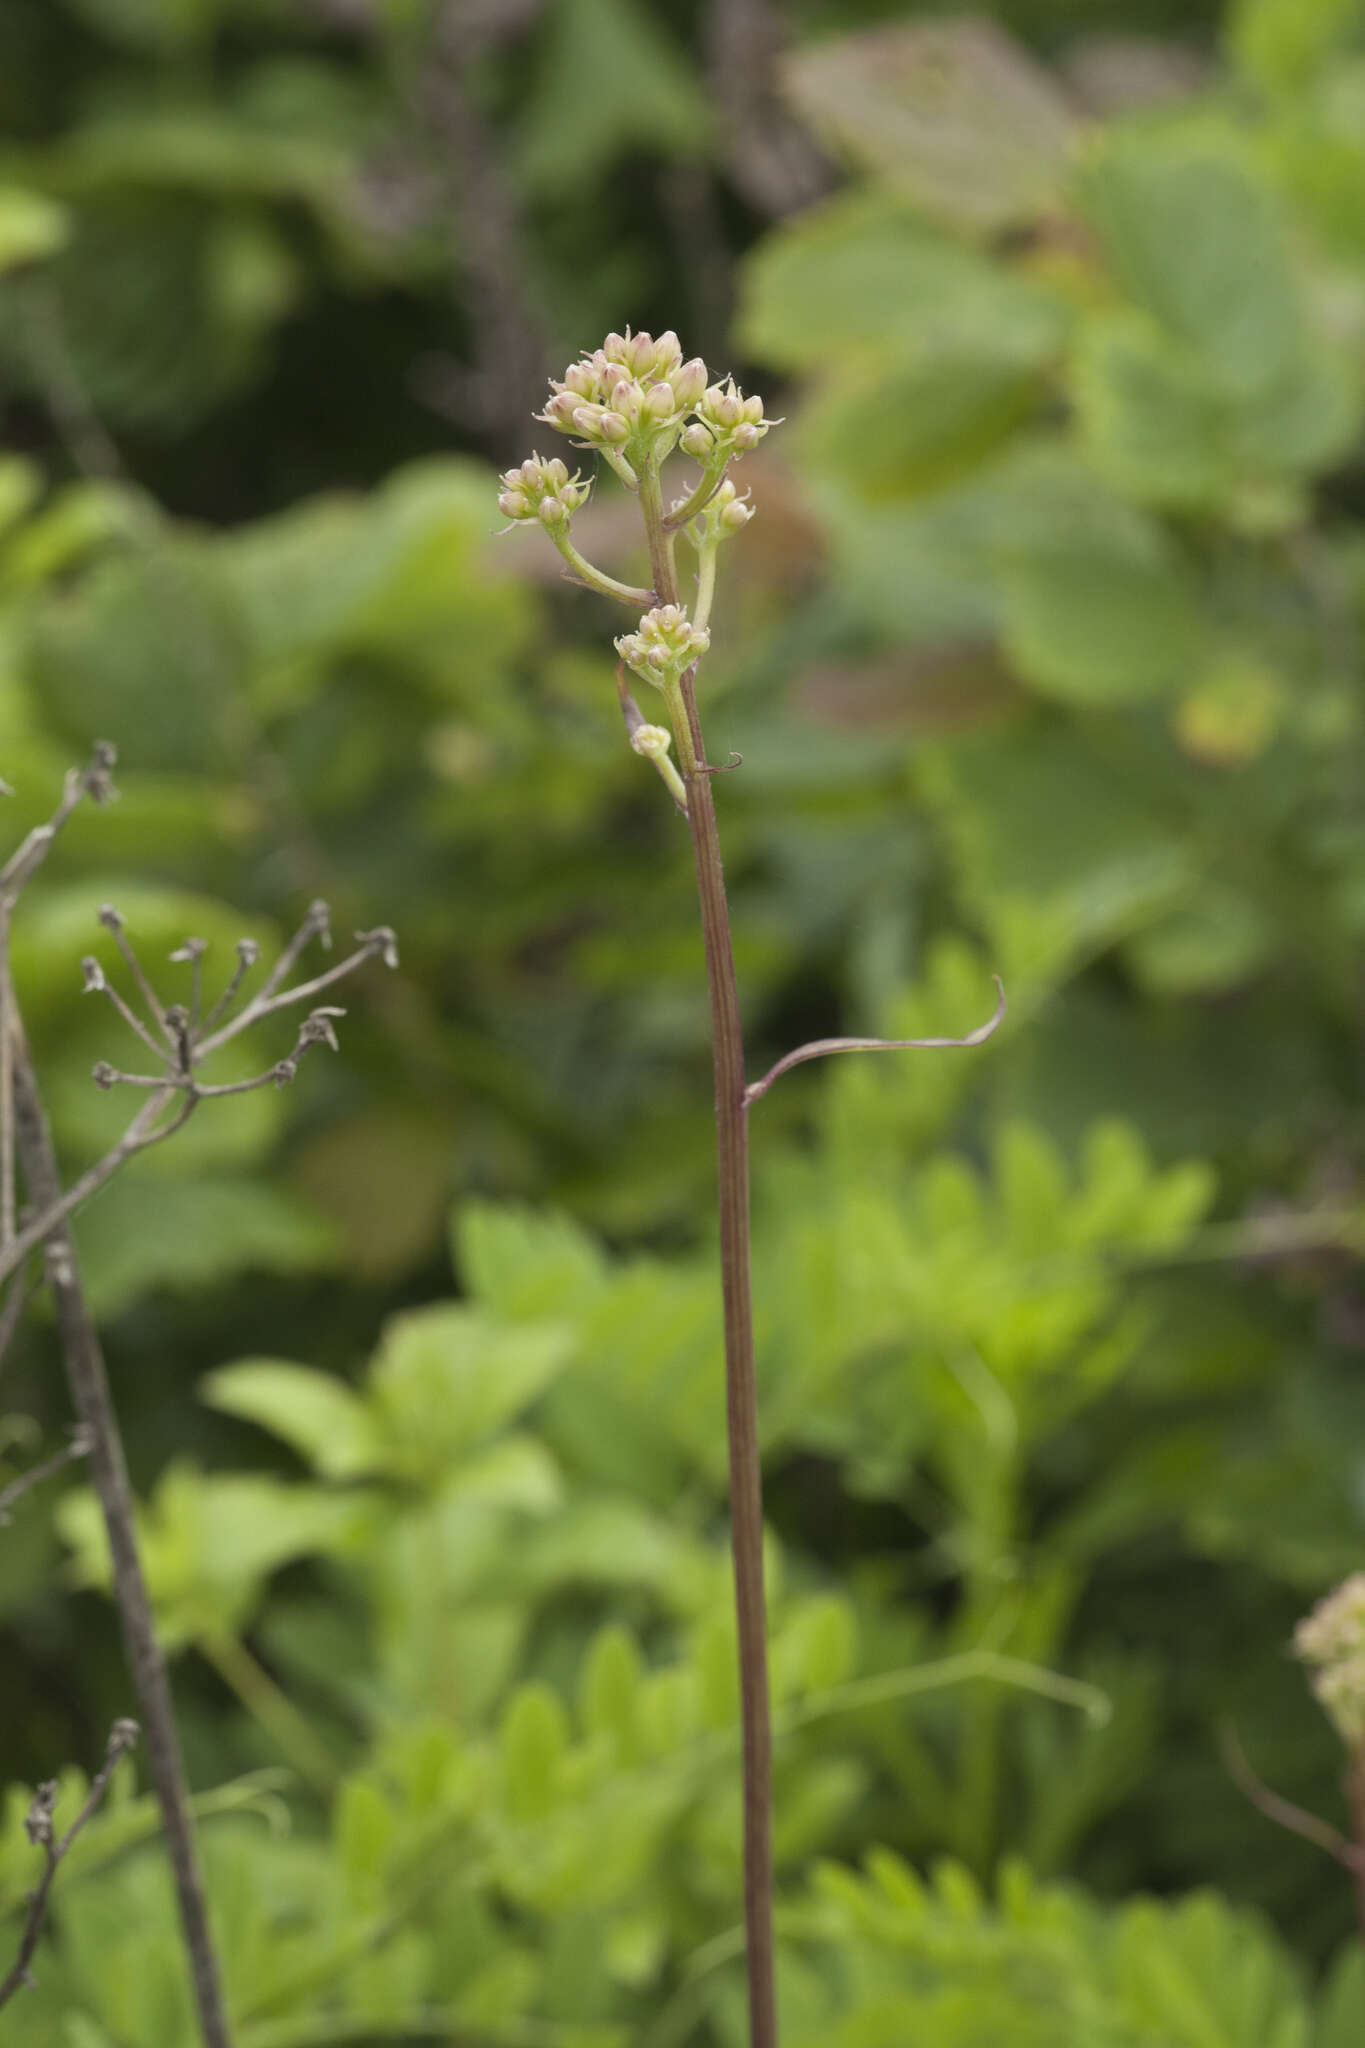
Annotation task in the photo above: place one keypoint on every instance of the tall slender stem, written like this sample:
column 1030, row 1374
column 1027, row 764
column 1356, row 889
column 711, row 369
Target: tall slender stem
column 84, row 1359
column 741, row 1386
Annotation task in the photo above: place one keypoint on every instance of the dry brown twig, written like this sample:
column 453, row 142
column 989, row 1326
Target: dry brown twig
column 181, row 1039
column 41, row 1832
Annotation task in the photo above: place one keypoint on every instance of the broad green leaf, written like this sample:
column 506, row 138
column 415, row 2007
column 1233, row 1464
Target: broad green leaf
column 1280, row 44
column 573, row 130
column 184, row 1234
column 209, row 1543
column 152, row 648
column 318, row 1414
column 1343, row 1999
column 864, row 276
column 31, row 226
column 524, row 1264
column 1105, row 615
column 956, row 113
column 899, row 433
column 1196, row 241
column 446, row 1378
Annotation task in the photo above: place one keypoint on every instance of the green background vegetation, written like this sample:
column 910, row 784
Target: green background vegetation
column 1045, row 657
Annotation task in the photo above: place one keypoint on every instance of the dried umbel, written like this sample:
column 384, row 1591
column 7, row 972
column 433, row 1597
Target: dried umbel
column 1331, row 1641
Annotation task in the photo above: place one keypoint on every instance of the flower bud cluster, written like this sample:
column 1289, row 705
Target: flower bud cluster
column 723, row 514
column 727, row 425
column 1331, row 1640
column 542, row 490
column 665, row 644
column 634, row 395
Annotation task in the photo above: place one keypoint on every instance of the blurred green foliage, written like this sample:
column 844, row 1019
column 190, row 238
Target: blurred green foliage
column 1045, row 657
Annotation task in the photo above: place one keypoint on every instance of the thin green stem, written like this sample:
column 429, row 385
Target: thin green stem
column 700, row 498
column 272, row 1709
column 598, row 580
column 706, row 583
column 741, row 1386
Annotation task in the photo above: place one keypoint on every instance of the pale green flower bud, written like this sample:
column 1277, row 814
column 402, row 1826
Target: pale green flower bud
column 698, row 442
column 752, row 409
column 541, row 490
column 653, row 741
column 559, row 412
column 582, row 379
column 625, row 398
column 688, row 382
column 735, row 517
column 721, row 407
column 616, row 348
column 659, row 402
column 667, row 642
column 612, row 427
column 747, row 436
column 1332, row 1641
column 587, row 420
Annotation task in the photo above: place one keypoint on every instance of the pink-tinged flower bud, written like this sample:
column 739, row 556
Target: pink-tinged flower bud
column 532, row 470
column 613, row 428
column 667, row 352
column 752, row 409
column 747, row 436
column 640, row 353
column 616, row 348
column 514, row 504
column 625, row 398
column 552, row 512
column 659, row 402
column 581, row 379
column 721, row 406
column 688, row 382
column 559, row 412
column 556, row 472
column 734, row 516
column 588, row 419
column 697, row 441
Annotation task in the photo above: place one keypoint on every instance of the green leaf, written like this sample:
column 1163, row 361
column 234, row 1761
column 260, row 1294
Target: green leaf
column 183, row 1235
column 610, row 1690
column 1281, row 44
column 209, row 1543
column 1343, row 2000
column 1196, row 241
column 152, row 647
column 955, row 112
column 446, row 1378
column 366, row 1830
column 1169, row 431
column 1107, row 613
column 920, row 428
column 608, row 79
column 865, row 276
column 533, row 1744
column 317, row 1414
column 525, row 1264
column 31, row 226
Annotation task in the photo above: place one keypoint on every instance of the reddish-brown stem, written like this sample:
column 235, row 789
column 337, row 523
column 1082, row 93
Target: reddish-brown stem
column 741, row 1386
column 1355, row 1794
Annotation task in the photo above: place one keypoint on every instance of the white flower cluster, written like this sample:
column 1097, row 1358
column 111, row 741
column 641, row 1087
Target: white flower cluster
column 1331, row 1640
column 635, row 394
column 542, row 490
column 665, row 643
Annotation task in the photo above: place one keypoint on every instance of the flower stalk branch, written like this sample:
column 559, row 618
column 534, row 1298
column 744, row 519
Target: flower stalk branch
column 635, row 401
